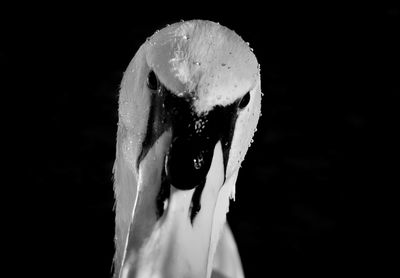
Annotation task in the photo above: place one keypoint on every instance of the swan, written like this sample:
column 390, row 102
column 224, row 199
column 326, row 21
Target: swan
column 189, row 104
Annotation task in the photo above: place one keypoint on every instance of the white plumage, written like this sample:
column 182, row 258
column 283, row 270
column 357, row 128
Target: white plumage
column 212, row 69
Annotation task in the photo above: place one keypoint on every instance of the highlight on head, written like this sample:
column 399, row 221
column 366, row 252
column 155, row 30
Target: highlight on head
column 203, row 60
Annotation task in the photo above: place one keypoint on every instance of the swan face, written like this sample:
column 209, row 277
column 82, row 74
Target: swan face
column 188, row 108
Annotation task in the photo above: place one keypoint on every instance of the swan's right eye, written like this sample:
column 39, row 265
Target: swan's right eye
column 152, row 81
column 244, row 101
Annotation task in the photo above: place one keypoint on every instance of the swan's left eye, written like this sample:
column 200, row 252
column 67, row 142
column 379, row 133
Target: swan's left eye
column 152, row 81
column 244, row 101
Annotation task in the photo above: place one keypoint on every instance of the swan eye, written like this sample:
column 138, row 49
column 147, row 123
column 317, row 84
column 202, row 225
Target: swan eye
column 152, row 81
column 244, row 101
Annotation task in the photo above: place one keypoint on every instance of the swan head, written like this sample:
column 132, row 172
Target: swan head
column 188, row 108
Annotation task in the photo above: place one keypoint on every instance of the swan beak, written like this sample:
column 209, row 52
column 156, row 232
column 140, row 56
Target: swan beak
column 177, row 216
column 172, row 245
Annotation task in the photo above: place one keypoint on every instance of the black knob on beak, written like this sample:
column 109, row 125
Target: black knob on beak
column 188, row 162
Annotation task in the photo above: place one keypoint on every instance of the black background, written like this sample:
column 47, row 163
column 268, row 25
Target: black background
column 315, row 194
